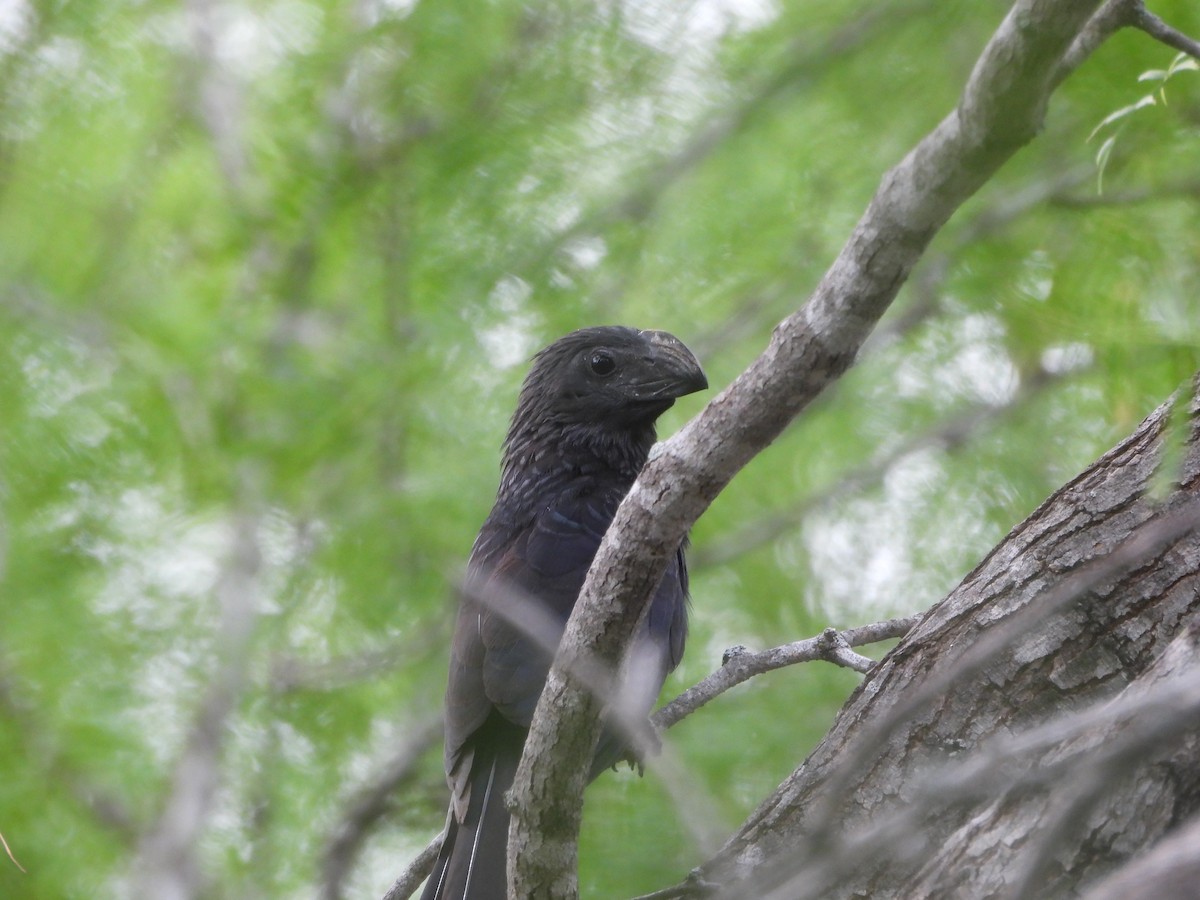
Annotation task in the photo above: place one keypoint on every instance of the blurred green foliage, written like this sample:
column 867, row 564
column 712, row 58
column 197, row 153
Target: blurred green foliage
column 282, row 262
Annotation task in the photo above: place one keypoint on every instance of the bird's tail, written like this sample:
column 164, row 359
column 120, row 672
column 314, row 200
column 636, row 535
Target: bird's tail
column 471, row 864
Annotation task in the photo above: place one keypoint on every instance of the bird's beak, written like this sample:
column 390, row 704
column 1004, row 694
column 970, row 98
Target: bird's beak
column 676, row 368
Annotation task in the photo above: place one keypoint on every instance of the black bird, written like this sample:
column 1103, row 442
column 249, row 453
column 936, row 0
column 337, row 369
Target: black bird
column 582, row 431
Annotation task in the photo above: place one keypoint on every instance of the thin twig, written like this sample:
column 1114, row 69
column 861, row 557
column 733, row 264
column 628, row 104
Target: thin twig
column 1110, row 18
column 835, row 649
column 740, row 665
column 418, row 870
column 1159, row 30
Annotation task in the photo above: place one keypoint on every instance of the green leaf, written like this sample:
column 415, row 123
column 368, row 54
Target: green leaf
column 1124, row 111
column 1183, row 63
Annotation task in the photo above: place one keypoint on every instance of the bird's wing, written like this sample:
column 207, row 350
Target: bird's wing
column 523, row 578
column 536, row 583
column 525, row 583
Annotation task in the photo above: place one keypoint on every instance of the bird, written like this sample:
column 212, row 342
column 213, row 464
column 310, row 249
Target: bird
column 582, row 430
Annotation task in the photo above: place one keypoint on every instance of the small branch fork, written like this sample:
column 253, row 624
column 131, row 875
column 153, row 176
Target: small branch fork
column 741, row 665
column 1111, row 18
column 1144, row 20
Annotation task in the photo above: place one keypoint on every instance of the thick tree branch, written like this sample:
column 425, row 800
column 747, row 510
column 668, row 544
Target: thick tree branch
column 1170, row 871
column 1077, row 602
column 1088, row 750
column 1001, row 109
column 1142, row 545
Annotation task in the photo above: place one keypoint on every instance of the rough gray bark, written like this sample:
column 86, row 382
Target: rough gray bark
column 1039, row 727
column 1170, row 871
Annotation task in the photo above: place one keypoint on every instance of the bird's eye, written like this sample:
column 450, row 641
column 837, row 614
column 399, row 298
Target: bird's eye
column 602, row 363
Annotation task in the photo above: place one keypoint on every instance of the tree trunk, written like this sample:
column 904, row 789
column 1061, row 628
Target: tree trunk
column 1036, row 730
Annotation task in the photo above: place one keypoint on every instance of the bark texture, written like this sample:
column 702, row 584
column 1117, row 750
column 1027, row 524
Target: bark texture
column 1036, row 730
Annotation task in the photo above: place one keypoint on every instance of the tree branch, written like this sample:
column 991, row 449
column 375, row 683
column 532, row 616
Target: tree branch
column 1109, row 19
column 369, row 805
column 1000, row 110
column 739, row 665
column 1076, row 602
column 1148, row 22
column 834, row 649
column 1099, row 743
column 1170, row 871
column 167, row 867
column 418, row 870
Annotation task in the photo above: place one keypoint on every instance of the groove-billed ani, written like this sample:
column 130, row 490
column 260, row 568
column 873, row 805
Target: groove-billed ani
column 582, row 430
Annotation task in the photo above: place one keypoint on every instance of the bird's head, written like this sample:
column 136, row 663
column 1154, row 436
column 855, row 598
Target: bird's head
column 590, row 400
column 610, row 376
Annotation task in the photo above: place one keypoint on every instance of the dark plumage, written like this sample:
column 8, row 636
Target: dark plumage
column 582, row 430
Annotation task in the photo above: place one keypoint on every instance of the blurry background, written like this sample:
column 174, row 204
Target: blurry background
column 269, row 276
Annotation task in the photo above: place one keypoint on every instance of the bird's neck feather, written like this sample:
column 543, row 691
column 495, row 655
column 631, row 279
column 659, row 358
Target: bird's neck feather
column 544, row 461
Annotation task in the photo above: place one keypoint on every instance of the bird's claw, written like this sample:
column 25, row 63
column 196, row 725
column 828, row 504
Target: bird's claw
column 646, row 742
